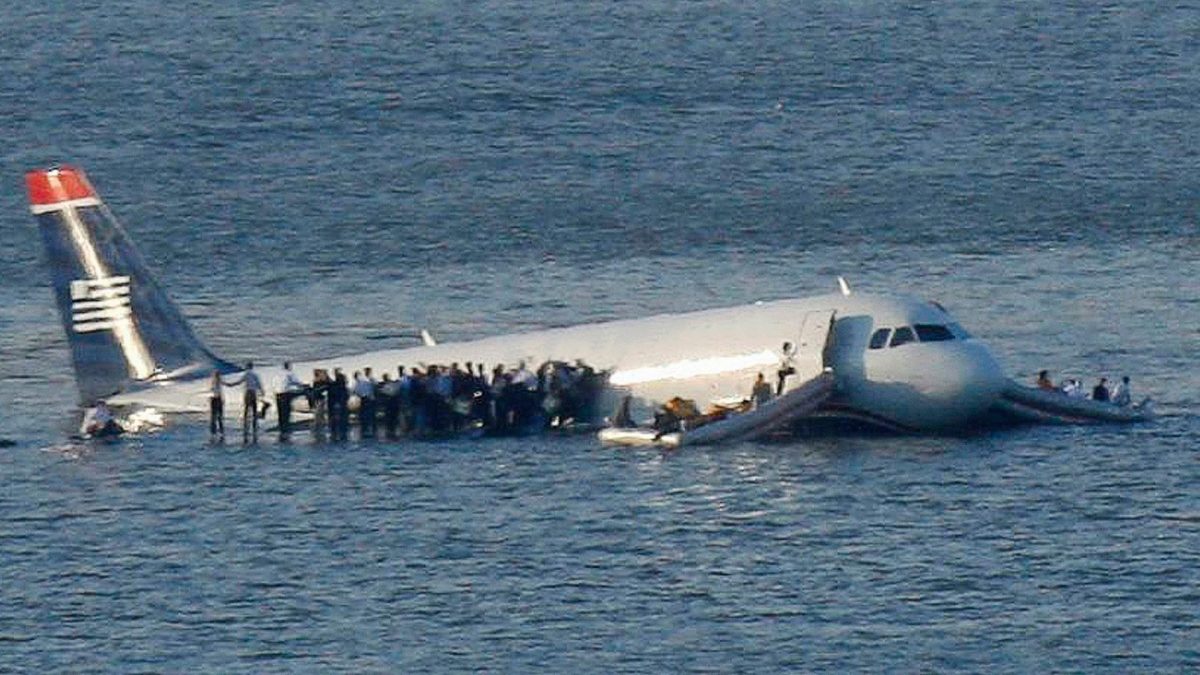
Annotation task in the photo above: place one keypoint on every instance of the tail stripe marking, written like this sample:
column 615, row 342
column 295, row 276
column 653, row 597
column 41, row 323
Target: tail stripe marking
column 39, row 209
column 141, row 365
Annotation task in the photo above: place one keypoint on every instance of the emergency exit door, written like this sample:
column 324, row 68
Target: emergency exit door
column 813, row 348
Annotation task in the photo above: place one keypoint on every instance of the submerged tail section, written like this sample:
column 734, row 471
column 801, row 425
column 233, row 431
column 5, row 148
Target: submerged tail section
column 122, row 327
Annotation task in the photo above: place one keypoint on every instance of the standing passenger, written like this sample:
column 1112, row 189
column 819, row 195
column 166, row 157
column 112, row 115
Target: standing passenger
column 481, row 398
column 388, row 395
column 252, row 391
column 339, row 416
column 372, row 401
column 500, row 398
column 287, row 388
column 523, row 378
column 216, row 406
column 405, row 399
column 459, row 405
column 364, row 389
column 440, row 390
column 318, row 402
column 418, row 396
column 787, row 366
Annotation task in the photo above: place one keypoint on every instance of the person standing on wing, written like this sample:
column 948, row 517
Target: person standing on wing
column 287, row 388
column 216, row 406
column 253, row 390
column 787, row 366
column 364, row 389
column 339, row 414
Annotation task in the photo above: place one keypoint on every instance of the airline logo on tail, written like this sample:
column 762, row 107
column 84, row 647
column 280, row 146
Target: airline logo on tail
column 100, row 304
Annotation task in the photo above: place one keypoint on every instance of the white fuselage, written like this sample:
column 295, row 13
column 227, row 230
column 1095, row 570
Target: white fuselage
column 716, row 354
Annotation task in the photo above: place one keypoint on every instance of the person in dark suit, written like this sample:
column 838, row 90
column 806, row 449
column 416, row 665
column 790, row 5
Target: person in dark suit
column 339, row 414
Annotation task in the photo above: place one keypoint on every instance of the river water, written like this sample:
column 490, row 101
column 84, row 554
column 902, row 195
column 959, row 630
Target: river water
column 319, row 178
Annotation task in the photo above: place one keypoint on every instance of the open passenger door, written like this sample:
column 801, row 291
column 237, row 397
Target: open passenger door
column 815, row 345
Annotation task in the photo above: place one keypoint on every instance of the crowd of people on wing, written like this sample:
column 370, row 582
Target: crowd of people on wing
column 1122, row 395
column 420, row 402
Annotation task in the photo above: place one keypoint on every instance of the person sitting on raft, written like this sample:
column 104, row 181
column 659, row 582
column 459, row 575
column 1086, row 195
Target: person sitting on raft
column 675, row 413
column 1043, row 381
column 1123, row 394
column 761, row 393
column 100, row 422
column 1073, row 388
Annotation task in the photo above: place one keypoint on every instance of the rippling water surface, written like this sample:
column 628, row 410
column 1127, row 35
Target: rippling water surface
column 310, row 178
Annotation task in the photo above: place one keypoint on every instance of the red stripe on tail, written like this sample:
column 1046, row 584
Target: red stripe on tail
column 51, row 186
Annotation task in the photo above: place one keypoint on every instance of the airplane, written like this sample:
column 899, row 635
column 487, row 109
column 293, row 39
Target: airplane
column 898, row 362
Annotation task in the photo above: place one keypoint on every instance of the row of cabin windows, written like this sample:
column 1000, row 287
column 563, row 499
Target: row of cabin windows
column 924, row 332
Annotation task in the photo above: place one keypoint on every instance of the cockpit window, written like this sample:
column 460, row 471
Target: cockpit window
column 903, row 335
column 880, row 337
column 929, row 332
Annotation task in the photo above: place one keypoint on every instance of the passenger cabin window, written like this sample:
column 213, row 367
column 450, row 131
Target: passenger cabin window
column 929, row 332
column 902, row 336
column 880, row 337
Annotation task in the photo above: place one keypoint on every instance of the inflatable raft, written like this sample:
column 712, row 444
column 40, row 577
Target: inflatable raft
column 778, row 413
column 1053, row 407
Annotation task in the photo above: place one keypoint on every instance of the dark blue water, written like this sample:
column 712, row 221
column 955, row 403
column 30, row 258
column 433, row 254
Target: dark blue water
column 306, row 176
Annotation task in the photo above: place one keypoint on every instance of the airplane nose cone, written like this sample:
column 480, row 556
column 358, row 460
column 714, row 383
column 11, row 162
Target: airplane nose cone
column 940, row 385
column 985, row 379
column 968, row 382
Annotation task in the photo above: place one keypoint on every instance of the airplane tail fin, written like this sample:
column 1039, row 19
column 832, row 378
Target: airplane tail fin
column 122, row 328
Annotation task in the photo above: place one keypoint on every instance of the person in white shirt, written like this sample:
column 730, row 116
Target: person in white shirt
column 787, row 366
column 364, row 389
column 404, row 393
column 99, row 422
column 1074, row 389
column 287, row 387
column 524, row 378
column 252, row 391
column 1123, row 394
